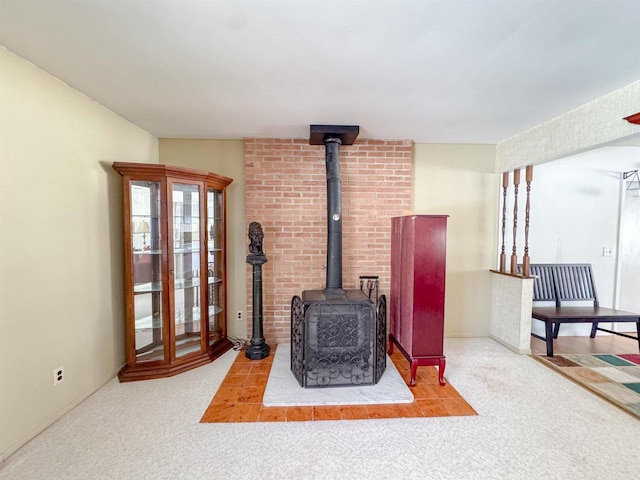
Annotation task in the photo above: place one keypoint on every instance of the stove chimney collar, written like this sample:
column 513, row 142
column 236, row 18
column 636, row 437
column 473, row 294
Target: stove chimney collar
column 346, row 133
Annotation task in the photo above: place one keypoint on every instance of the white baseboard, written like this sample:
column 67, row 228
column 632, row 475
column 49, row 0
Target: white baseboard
column 520, row 351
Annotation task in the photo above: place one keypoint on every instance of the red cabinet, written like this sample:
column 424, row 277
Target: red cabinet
column 418, row 268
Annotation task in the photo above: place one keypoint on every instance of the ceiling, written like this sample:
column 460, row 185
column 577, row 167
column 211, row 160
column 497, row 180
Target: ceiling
column 477, row 71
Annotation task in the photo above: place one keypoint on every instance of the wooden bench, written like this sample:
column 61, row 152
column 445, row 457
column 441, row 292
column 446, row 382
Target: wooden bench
column 563, row 283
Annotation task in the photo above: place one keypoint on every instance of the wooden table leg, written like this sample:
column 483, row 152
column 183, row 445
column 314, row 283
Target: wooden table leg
column 548, row 327
column 594, row 329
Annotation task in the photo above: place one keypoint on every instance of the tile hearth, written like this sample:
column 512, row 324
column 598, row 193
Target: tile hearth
column 240, row 398
column 284, row 390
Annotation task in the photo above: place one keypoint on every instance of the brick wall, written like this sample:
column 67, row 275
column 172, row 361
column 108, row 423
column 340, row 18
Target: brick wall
column 286, row 191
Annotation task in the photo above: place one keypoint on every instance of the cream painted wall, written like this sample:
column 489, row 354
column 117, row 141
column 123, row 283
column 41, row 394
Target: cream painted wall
column 225, row 157
column 458, row 180
column 61, row 299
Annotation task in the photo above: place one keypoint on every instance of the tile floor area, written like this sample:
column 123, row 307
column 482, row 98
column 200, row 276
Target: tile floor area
column 239, row 398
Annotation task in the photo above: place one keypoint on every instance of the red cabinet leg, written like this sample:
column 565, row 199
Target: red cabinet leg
column 441, row 366
column 414, row 370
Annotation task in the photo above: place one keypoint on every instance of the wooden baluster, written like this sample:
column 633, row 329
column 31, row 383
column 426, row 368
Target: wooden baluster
column 514, row 255
column 503, row 255
column 525, row 260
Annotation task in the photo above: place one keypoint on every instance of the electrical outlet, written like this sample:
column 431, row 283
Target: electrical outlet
column 607, row 251
column 58, row 376
column 239, row 315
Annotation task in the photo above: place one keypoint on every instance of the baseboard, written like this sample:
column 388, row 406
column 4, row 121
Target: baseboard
column 479, row 334
column 4, row 455
column 519, row 351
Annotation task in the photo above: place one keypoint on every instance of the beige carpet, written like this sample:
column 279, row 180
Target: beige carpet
column 532, row 424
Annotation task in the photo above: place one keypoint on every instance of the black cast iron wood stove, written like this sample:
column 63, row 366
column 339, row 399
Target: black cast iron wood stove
column 338, row 337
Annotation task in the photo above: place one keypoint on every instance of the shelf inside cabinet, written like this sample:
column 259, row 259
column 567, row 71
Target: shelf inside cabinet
column 187, row 283
column 150, row 321
column 183, row 250
column 194, row 282
column 148, row 287
column 181, row 319
column 156, row 353
column 147, row 252
column 190, row 344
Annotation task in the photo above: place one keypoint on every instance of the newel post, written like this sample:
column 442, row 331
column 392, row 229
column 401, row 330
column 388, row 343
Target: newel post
column 525, row 260
column 514, row 255
column 503, row 255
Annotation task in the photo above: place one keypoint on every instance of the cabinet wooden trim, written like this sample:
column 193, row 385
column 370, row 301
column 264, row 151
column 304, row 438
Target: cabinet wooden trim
column 148, row 170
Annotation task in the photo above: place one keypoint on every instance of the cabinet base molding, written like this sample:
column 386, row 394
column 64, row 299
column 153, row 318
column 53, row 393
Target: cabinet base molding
column 144, row 371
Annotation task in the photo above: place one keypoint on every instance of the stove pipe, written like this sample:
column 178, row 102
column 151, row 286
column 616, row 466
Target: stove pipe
column 332, row 136
column 334, row 214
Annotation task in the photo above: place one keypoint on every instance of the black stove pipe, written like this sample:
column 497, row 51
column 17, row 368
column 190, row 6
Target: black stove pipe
column 334, row 214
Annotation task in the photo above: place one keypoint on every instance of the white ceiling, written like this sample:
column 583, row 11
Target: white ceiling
column 432, row 71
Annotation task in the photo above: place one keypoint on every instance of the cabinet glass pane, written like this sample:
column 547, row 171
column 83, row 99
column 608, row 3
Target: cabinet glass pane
column 147, row 270
column 215, row 265
column 186, row 262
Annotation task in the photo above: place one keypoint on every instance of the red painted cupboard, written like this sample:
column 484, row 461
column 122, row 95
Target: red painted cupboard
column 418, row 267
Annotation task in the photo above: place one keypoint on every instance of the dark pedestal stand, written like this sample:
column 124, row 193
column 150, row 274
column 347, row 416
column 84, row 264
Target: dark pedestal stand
column 258, row 349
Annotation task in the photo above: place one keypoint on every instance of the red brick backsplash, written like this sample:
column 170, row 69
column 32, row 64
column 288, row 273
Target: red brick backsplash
column 286, row 192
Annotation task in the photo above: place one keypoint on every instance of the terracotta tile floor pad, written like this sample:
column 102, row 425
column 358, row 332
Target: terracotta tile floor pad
column 239, row 398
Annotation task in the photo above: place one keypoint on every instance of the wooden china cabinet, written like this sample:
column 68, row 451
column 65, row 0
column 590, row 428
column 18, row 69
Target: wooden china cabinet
column 174, row 269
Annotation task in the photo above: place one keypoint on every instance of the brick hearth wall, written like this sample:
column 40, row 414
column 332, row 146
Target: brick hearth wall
column 286, row 193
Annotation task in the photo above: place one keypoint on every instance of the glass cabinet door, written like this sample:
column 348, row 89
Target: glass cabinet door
column 147, row 271
column 215, row 264
column 186, row 266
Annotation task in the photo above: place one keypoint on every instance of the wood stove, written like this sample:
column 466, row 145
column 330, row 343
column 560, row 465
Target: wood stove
column 338, row 337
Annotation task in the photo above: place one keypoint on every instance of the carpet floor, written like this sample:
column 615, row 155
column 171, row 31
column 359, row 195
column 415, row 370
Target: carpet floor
column 240, row 398
column 613, row 377
column 532, row 424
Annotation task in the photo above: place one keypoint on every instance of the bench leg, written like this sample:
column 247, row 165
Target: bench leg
column 638, row 333
column 594, row 329
column 556, row 329
column 548, row 328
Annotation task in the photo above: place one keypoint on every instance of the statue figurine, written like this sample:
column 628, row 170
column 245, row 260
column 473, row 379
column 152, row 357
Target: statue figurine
column 258, row 348
column 255, row 236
